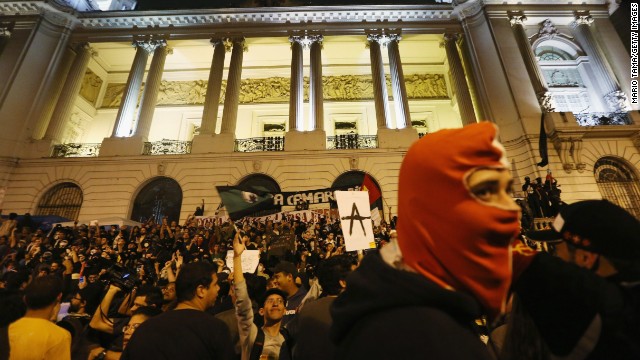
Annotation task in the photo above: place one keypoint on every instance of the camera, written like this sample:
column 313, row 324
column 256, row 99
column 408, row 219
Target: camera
column 121, row 277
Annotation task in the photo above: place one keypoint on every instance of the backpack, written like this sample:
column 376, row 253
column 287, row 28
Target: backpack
column 285, row 349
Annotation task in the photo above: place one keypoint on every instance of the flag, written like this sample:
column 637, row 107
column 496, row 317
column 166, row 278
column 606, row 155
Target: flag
column 542, row 144
column 371, row 187
column 245, row 200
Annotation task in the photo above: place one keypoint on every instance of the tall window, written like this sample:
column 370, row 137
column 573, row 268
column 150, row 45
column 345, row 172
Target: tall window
column 159, row 198
column 618, row 183
column 62, row 200
column 565, row 69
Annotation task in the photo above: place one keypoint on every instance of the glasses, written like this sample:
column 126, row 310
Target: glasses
column 274, row 301
column 132, row 327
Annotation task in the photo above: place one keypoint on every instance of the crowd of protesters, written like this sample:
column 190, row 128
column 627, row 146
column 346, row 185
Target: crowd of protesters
column 112, row 276
column 436, row 286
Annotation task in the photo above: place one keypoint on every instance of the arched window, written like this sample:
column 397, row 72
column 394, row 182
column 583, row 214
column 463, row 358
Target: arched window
column 566, row 71
column 62, row 200
column 265, row 182
column 353, row 179
column 159, row 198
column 618, row 183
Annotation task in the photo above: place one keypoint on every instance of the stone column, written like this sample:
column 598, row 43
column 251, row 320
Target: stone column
column 380, row 96
column 124, row 119
column 545, row 99
column 609, row 87
column 463, row 95
column 151, row 88
column 296, row 86
column 316, row 96
column 232, row 95
column 212, row 98
column 403, row 116
column 69, row 93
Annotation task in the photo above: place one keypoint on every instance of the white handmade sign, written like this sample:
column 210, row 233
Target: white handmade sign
column 355, row 218
column 250, row 260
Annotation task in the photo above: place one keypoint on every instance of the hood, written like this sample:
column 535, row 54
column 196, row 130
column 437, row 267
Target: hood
column 369, row 288
column 445, row 232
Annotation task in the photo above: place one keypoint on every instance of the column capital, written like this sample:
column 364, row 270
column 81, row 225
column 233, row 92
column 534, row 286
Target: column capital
column 449, row 37
column 582, row 19
column 517, row 19
column 84, row 46
column 149, row 45
column 384, row 39
column 228, row 44
column 6, row 29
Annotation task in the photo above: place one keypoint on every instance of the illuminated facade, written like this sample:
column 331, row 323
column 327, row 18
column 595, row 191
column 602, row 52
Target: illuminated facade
column 105, row 103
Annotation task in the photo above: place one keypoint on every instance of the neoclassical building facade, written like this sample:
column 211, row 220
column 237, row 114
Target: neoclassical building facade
column 111, row 111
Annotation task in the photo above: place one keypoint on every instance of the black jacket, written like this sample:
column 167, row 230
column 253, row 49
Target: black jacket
column 391, row 314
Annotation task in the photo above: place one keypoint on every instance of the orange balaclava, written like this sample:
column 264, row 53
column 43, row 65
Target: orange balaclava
column 444, row 232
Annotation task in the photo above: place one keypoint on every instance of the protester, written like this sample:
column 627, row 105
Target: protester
column 310, row 328
column 186, row 332
column 284, row 278
column 139, row 316
column 450, row 264
column 591, row 310
column 269, row 341
column 34, row 336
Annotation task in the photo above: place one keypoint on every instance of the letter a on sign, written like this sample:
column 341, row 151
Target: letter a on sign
column 355, row 218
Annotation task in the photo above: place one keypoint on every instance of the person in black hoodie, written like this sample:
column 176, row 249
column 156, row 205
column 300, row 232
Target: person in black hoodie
column 450, row 264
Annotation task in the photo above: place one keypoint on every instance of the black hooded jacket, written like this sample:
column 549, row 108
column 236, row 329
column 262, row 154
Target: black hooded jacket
column 387, row 313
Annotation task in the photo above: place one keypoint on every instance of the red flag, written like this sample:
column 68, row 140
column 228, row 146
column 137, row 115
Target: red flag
column 371, row 187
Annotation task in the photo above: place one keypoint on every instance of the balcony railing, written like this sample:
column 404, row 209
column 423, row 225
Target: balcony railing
column 75, row 150
column 167, row 147
column 352, row 141
column 271, row 143
column 595, row 119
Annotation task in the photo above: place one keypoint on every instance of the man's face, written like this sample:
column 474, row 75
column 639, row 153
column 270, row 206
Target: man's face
column 75, row 304
column 273, row 309
column 169, row 292
column 493, row 188
column 130, row 328
column 282, row 281
column 212, row 291
column 138, row 301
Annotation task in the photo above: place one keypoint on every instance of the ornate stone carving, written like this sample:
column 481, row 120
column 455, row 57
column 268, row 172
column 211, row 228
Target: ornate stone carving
column 518, row 19
column 617, row 101
column 149, row 45
column 257, row 165
column 162, row 168
column 353, row 162
column 91, row 85
column 276, row 89
column 546, row 101
column 6, row 29
column 583, row 19
column 547, row 30
column 467, row 9
column 570, row 152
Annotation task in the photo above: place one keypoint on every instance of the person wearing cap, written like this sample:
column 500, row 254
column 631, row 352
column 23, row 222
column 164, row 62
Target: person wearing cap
column 284, row 278
column 451, row 262
column 270, row 341
column 591, row 310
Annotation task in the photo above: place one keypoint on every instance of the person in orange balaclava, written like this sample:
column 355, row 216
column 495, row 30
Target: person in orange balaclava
column 421, row 295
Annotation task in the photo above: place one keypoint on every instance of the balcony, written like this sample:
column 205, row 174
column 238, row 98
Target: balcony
column 601, row 118
column 75, row 150
column 167, row 147
column 272, row 143
column 352, row 141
